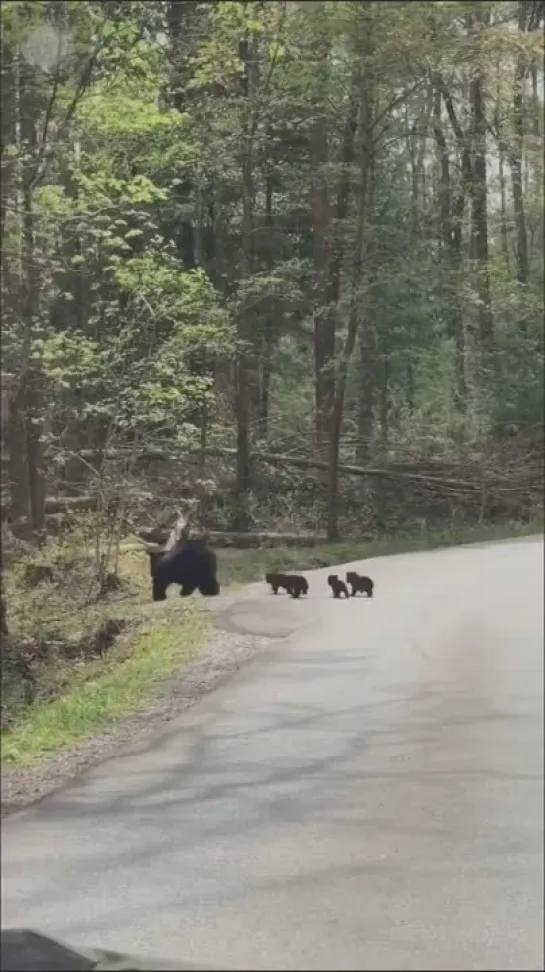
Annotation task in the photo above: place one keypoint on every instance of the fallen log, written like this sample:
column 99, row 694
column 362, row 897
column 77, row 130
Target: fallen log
column 300, row 462
column 497, row 489
column 70, row 504
column 156, row 539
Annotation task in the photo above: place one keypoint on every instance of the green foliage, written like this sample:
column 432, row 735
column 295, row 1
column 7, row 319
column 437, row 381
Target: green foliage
column 184, row 164
column 433, row 425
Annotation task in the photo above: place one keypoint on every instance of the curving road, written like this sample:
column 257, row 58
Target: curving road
column 366, row 794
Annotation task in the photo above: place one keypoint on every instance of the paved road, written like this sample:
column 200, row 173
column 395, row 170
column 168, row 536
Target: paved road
column 366, row 794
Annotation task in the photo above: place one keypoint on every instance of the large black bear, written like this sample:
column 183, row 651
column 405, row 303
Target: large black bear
column 192, row 565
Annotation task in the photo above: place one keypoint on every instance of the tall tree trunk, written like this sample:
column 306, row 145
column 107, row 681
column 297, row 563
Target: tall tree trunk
column 457, row 330
column 268, row 326
column 3, row 619
column 7, row 123
column 324, row 333
column 360, row 122
column 4, row 631
column 516, row 155
column 243, row 369
column 19, row 506
column 367, row 390
column 537, row 154
column 537, row 125
column 16, row 427
column 451, row 218
column 35, row 456
column 365, row 192
column 320, row 209
column 245, row 357
column 333, row 287
column 33, row 402
column 503, row 208
column 384, row 393
column 479, row 212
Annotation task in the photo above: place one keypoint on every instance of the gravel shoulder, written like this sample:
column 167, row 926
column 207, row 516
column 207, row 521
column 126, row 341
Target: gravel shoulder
column 225, row 653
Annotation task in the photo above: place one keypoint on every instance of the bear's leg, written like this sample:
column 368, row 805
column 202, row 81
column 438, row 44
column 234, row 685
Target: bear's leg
column 210, row 589
column 159, row 590
column 186, row 591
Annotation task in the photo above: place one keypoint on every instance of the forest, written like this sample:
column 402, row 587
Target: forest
column 280, row 261
column 312, row 230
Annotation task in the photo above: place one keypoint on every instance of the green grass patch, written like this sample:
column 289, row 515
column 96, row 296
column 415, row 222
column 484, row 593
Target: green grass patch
column 238, row 567
column 107, row 689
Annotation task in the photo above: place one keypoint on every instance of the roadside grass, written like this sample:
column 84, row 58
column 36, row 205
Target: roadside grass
column 69, row 692
column 239, row 567
column 75, row 694
column 107, row 689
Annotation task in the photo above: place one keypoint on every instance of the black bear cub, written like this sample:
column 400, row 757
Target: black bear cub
column 192, row 565
column 297, row 585
column 292, row 583
column 337, row 586
column 277, row 581
column 359, row 583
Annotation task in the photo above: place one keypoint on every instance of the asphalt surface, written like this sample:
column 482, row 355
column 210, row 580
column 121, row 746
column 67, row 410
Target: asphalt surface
column 367, row 793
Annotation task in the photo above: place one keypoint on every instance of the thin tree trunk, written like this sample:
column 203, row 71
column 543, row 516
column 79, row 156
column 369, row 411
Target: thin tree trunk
column 245, row 336
column 366, row 386
column 324, row 335
column 17, row 455
column 3, row 619
column 360, row 121
column 354, row 319
column 479, row 212
column 451, row 218
column 537, row 154
column 33, row 407
column 16, row 432
column 268, row 326
column 537, row 128
column 33, row 385
column 7, row 123
column 319, row 203
column 516, row 155
column 333, row 287
column 384, row 396
column 503, row 208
